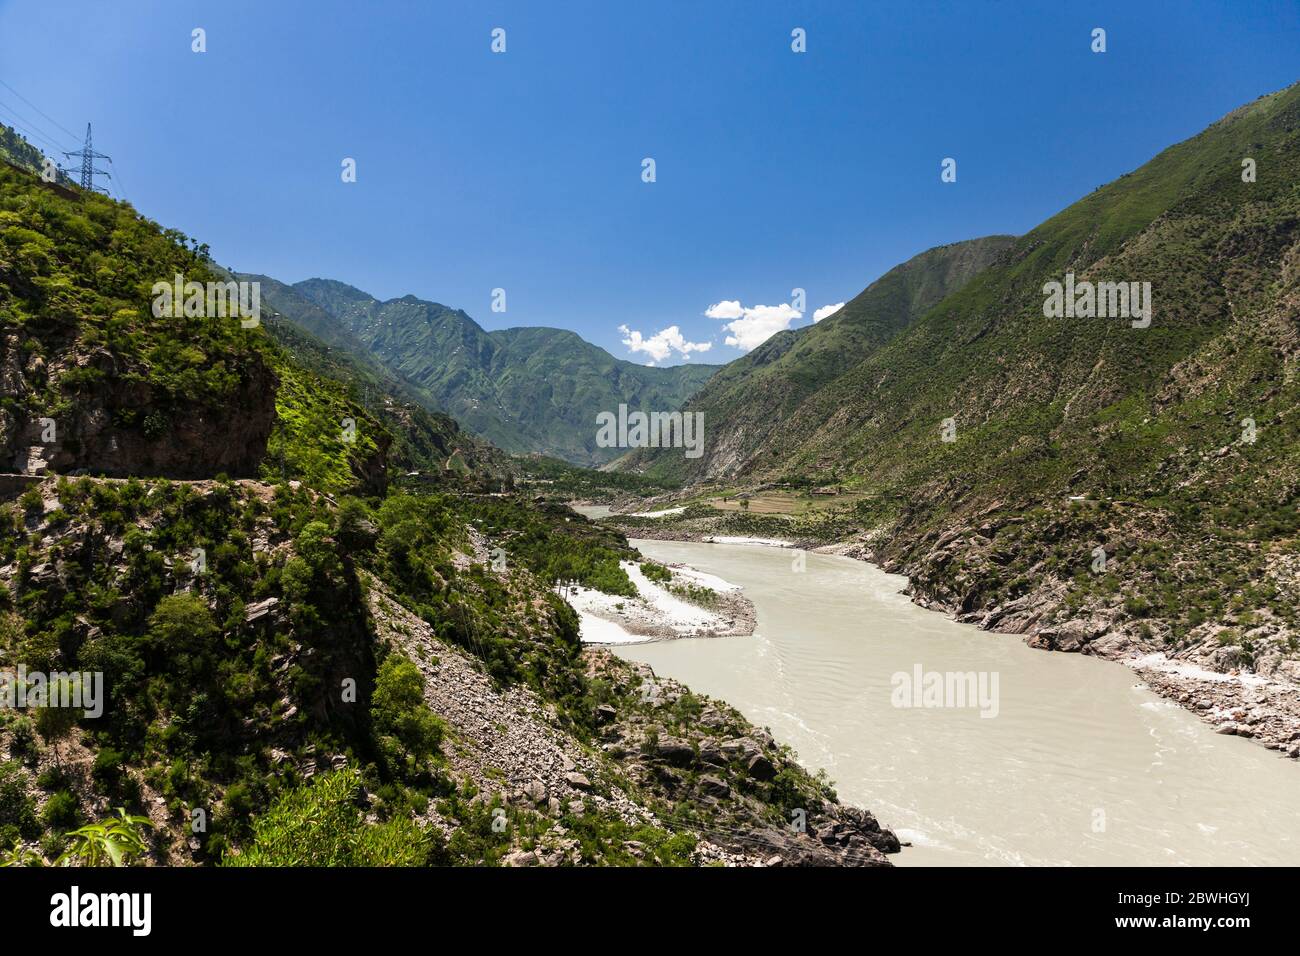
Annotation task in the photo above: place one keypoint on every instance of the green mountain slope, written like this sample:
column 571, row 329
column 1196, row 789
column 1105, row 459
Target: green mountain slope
column 423, row 440
column 14, row 149
column 525, row 389
column 748, row 405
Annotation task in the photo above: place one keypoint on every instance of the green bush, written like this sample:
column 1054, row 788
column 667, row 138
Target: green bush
column 656, row 572
column 61, row 811
column 17, row 811
column 321, row 824
column 408, row 732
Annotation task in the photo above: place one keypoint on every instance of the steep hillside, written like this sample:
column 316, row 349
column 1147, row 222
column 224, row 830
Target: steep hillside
column 525, row 389
column 233, row 638
column 749, row 401
column 14, row 149
column 90, row 378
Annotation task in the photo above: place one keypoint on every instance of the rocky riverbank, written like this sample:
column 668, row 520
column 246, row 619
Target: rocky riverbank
column 661, row 758
column 1206, row 676
column 1243, row 684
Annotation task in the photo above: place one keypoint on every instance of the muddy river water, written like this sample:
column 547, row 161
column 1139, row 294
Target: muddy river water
column 1061, row 759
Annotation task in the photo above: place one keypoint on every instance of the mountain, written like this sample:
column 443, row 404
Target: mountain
column 524, row 389
column 1172, row 447
column 749, row 406
column 424, row 440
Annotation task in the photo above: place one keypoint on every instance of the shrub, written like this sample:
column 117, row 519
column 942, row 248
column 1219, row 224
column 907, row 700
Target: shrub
column 108, row 768
column 409, row 734
column 17, row 811
column 321, row 825
column 656, row 572
column 61, row 811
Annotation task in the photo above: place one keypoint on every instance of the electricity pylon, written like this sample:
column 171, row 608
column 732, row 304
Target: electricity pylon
column 88, row 157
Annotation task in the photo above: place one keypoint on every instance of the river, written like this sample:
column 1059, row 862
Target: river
column 1079, row 765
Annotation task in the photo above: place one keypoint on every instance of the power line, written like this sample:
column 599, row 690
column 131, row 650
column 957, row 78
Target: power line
column 38, row 110
column 121, row 187
column 30, row 130
column 57, row 146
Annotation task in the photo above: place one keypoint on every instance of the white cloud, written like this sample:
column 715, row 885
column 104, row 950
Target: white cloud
column 727, row 309
column 751, row 327
column 662, row 344
column 826, row 310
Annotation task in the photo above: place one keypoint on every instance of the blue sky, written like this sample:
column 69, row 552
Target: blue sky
column 522, row 170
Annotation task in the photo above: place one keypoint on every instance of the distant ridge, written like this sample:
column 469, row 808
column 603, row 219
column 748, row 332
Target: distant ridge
column 524, row 389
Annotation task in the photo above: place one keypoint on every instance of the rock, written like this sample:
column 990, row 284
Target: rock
column 740, row 748
column 519, row 858
column 714, row 786
column 42, row 574
column 577, row 781
column 260, row 609
column 713, row 755
column 760, row 768
column 675, row 751
column 1112, row 644
column 605, row 714
column 535, row 790
column 1227, row 727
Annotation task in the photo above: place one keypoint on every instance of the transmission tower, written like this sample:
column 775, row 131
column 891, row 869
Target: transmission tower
column 88, row 170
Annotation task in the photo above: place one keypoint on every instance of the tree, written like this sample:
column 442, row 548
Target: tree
column 320, row 824
column 183, row 630
column 408, row 731
column 55, row 723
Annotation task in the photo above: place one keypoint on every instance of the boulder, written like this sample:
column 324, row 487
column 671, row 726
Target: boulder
column 760, row 767
column 260, row 609
column 714, row 786
column 577, row 781
column 675, row 751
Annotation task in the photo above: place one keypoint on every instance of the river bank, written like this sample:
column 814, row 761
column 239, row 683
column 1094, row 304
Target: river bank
column 1205, row 677
column 1233, row 700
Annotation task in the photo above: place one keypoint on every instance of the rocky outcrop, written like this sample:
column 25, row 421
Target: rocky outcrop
column 1243, row 683
column 117, row 425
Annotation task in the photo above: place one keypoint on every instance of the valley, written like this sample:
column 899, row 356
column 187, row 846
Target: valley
column 976, row 543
